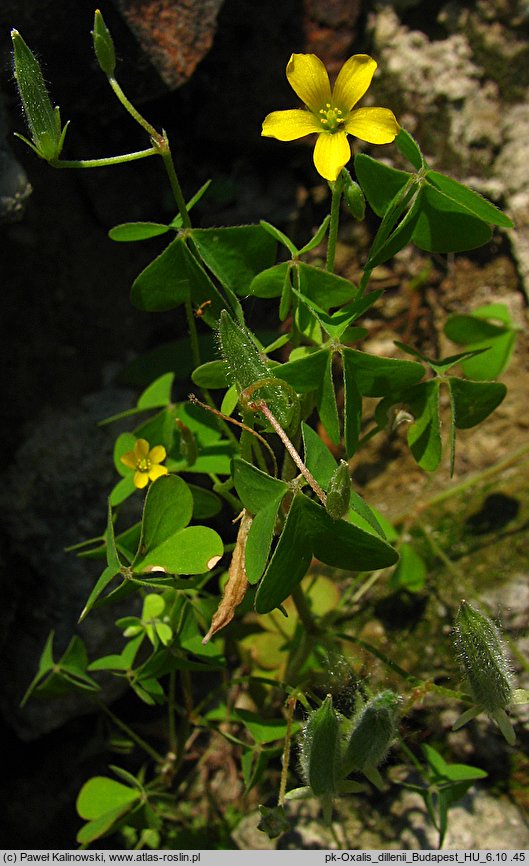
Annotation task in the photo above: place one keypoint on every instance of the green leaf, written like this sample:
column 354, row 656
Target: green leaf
column 166, row 282
column 206, row 504
column 269, row 283
column 121, row 662
column 318, row 459
column 100, row 826
column 158, row 393
column 279, row 236
column 262, row 730
column 410, row 149
column 380, row 183
column 410, row 573
column 317, row 239
column 173, row 278
column 466, row 198
column 235, row 254
column 424, row 435
column 168, row 508
column 101, row 795
column 474, row 401
column 46, row 664
column 478, row 332
column 259, row 540
column 138, row 231
column 256, row 489
column 445, row 226
column 398, row 225
column 324, row 288
column 108, row 574
column 308, row 532
column 352, row 411
column 289, row 562
column 122, row 490
column 212, row 374
column 326, row 403
column 193, row 550
column 306, row 372
column 375, row 376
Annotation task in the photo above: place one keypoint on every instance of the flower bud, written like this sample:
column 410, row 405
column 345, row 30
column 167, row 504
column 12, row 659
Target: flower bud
column 354, row 197
column 339, row 492
column 372, row 734
column 483, row 658
column 320, row 755
column 103, row 45
column 42, row 118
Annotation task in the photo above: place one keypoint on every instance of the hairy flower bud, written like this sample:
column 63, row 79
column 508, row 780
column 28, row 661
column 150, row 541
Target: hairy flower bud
column 339, row 492
column 320, row 756
column 42, row 118
column 483, row 658
column 372, row 733
column 103, row 45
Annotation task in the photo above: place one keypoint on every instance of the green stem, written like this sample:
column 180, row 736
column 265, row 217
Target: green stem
column 149, row 750
column 193, row 334
column 161, row 146
column 304, row 612
column 165, row 153
column 305, row 645
column 337, row 190
column 128, row 106
column 103, row 161
column 171, row 713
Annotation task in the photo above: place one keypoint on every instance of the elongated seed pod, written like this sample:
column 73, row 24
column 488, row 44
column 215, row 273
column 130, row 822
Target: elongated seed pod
column 372, row 734
column 245, row 366
column 320, row 754
column 483, row 658
column 42, row 118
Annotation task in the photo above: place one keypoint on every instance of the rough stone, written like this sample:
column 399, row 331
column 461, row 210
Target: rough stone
column 460, row 99
column 53, row 496
column 175, row 34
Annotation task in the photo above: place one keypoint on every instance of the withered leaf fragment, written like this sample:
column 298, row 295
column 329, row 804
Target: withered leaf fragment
column 237, row 583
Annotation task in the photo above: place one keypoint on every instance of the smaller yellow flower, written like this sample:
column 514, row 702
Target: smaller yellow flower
column 330, row 113
column 145, row 462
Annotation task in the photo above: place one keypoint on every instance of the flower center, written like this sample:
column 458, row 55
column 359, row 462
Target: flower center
column 143, row 465
column 331, row 118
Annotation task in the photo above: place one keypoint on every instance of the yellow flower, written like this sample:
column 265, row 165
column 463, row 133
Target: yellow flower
column 330, row 113
column 145, row 462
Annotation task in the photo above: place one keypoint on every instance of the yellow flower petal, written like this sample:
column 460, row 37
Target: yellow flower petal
column 141, row 479
column 331, row 153
column 353, row 80
column 376, row 125
column 309, row 79
column 288, row 125
column 157, row 454
column 141, row 449
column 129, row 459
column 157, row 472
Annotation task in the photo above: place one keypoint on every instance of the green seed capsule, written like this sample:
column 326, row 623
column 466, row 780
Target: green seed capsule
column 245, row 366
column 339, row 492
column 42, row 118
column 372, row 734
column 103, row 45
column 320, row 756
column 354, row 198
column 483, row 658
